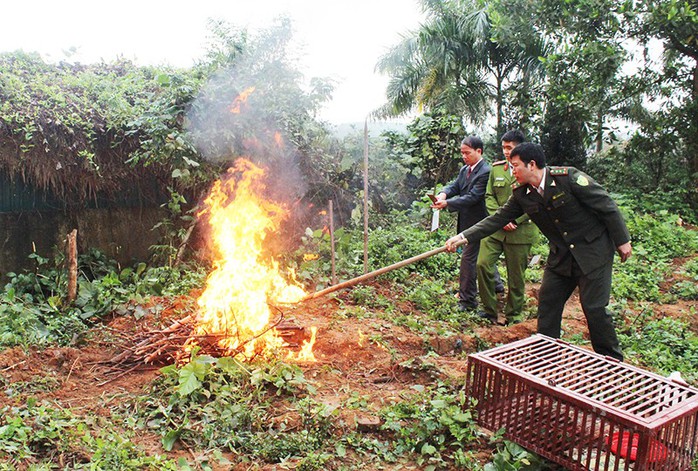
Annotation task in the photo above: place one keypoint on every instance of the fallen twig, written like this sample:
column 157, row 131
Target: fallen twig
column 12, row 367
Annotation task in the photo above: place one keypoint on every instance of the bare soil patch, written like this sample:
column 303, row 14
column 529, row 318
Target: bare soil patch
column 350, row 359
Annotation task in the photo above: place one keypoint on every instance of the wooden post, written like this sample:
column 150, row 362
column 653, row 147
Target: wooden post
column 72, row 261
column 366, row 196
column 180, row 251
column 334, row 273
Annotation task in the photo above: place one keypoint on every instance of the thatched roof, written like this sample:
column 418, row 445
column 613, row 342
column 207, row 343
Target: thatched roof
column 71, row 129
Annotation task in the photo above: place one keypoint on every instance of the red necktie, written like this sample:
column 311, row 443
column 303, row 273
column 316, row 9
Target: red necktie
column 470, row 170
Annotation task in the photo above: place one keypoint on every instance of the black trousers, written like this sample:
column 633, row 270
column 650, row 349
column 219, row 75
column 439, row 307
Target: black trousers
column 594, row 295
column 467, row 292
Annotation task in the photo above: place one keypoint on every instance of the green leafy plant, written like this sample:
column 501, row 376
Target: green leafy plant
column 219, row 403
column 33, row 307
column 657, row 239
column 513, row 457
column 661, row 235
column 638, row 280
column 432, row 425
column 401, row 239
column 366, row 295
column 663, row 345
column 687, row 289
column 45, row 437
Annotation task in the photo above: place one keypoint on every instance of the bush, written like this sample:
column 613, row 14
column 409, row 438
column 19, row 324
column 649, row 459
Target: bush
column 33, row 306
column 663, row 345
column 404, row 238
column 434, row 425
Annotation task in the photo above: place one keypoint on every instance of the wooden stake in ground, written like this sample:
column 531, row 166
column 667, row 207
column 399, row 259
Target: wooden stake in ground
column 366, row 196
column 334, row 273
column 72, row 261
column 183, row 245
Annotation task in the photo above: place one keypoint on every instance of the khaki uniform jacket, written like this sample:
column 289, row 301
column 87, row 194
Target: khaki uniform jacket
column 497, row 193
column 575, row 213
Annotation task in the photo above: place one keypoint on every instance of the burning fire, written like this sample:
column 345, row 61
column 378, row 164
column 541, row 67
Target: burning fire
column 235, row 302
column 240, row 99
column 306, row 351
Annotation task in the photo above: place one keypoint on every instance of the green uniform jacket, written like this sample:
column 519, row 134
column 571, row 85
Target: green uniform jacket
column 575, row 213
column 497, row 193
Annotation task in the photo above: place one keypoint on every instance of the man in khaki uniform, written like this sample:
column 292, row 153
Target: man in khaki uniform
column 514, row 241
column 584, row 227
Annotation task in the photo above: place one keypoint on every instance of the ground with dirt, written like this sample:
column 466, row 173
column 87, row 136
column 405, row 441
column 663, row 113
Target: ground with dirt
column 365, row 355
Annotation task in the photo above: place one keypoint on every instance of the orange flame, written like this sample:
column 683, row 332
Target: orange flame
column 240, row 99
column 235, row 302
column 306, row 351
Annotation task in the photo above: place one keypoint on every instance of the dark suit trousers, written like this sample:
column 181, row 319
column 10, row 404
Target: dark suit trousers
column 594, row 294
column 467, row 292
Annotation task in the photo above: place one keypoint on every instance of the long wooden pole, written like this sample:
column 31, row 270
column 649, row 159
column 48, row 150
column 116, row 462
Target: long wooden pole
column 375, row 273
column 366, row 195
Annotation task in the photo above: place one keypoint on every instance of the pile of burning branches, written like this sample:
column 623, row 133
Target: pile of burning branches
column 173, row 344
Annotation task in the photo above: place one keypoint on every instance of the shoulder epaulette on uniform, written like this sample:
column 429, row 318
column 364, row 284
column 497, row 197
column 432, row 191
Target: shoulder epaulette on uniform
column 499, row 162
column 559, row 170
column 515, row 185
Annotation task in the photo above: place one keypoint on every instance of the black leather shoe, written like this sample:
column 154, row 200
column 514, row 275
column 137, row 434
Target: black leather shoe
column 466, row 307
column 499, row 289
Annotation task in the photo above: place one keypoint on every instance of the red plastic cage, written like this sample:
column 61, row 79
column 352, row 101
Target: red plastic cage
column 583, row 410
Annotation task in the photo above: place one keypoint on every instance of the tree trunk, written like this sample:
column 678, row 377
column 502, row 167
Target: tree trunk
column 599, row 130
column 693, row 145
column 500, row 105
column 692, row 141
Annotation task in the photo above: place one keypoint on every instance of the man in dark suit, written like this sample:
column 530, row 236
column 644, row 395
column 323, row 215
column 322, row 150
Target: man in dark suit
column 466, row 195
column 584, row 227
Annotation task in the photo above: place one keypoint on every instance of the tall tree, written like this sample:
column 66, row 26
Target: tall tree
column 461, row 61
column 605, row 67
column 675, row 24
column 586, row 86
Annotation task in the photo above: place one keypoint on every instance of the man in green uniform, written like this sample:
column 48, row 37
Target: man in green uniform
column 584, row 227
column 514, row 240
